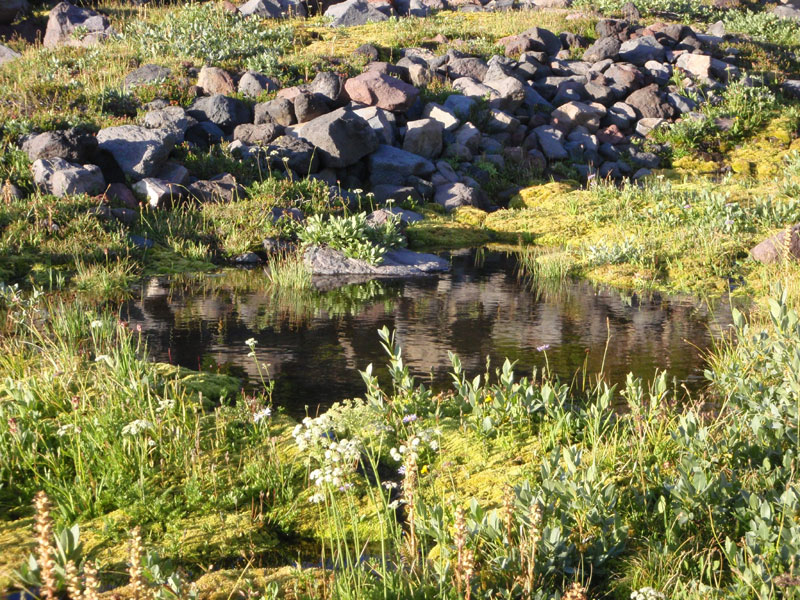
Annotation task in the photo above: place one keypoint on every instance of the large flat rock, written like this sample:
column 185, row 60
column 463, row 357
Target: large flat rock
column 396, row 264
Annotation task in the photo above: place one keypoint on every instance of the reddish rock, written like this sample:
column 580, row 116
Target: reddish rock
column 610, row 135
column 214, row 80
column 376, row 89
column 775, row 249
column 119, row 192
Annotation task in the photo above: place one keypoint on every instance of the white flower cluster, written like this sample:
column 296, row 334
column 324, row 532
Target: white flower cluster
column 646, row 593
column 336, row 458
column 136, row 427
column 264, row 413
column 415, row 443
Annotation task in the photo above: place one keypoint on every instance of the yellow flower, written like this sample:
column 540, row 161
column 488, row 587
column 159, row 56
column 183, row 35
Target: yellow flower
column 488, row 400
column 424, row 469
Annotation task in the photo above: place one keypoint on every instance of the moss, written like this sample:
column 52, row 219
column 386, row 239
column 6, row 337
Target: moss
column 534, row 196
column 468, row 215
column 695, row 165
column 445, row 232
column 16, row 541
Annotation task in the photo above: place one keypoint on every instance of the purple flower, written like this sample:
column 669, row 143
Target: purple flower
column 409, row 418
column 728, row 222
column 543, row 348
column 401, row 471
column 687, row 206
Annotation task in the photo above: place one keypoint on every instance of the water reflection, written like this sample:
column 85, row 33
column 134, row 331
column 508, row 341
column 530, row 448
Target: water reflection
column 315, row 343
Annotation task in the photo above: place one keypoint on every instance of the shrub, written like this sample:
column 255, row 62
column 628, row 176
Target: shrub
column 353, row 236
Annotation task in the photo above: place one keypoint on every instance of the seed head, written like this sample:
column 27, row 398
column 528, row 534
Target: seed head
column 44, row 545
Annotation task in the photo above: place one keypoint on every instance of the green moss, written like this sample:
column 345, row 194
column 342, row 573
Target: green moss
column 210, row 386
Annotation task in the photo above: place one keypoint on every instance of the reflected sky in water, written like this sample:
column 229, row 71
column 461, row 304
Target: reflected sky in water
column 315, row 343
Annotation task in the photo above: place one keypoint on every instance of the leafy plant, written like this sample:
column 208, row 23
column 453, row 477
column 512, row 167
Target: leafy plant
column 352, row 235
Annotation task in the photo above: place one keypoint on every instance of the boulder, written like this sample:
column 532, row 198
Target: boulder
column 214, row 80
column 475, row 68
column 455, row 195
column 254, row 84
column 308, row 106
column 647, row 103
column 443, row 115
column 159, row 193
column 390, row 165
column 383, row 123
column 607, row 47
column 146, row 75
column 551, row 142
column 273, row 9
column 341, row 137
column 7, row 54
column 354, row 12
column 71, row 145
column 405, row 217
column 61, row 178
column 396, row 263
column 70, row 25
column 461, row 106
column 777, row 248
column 510, row 93
column 330, row 86
column 225, row 112
column 222, row 188
column 138, row 151
column 300, row 156
column 640, row 50
column 279, row 110
column 543, row 40
column 257, row 134
column 376, row 89
column 424, row 137
column 577, row 114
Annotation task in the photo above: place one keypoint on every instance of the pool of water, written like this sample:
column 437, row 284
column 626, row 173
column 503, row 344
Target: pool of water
column 315, row 343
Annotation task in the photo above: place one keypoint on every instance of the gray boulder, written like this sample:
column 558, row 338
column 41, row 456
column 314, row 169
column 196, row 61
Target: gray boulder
column 253, row 84
column 300, row 156
column 257, row 134
column 640, row 50
column 146, row 75
column 383, row 122
column 551, row 142
column 62, row 178
column 225, row 112
column 70, row 25
column 7, row 54
column 544, row 40
column 222, row 188
column 138, row 151
column 454, row 195
column 390, row 165
column 647, row 103
column 396, row 263
column 341, row 137
column 172, row 118
column 273, row 9
column 354, row 12
column 70, row 144
column 476, row 68
column 607, row 47
column 424, row 137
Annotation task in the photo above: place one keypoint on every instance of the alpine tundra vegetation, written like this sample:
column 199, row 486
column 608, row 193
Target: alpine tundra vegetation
column 331, row 148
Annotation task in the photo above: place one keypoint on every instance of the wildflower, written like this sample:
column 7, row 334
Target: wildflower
column 136, row 427
column 43, row 524
column 409, row 418
column 264, row 413
column 135, row 570
column 12, row 426
column 424, row 469
column 95, row 324
column 66, row 429
column 488, row 399
column 543, row 348
column 165, row 404
column 389, row 485
column 646, row 593
column 317, row 498
column 687, row 206
column 91, row 584
column 728, row 222
column 250, row 343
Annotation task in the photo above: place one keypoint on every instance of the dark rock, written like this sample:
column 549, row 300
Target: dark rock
column 72, row 145
column 308, row 106
column 454, row 195
column 396, row 263
column 390, row 165
column 640, row 50
column 607, row 47
column 612, row 27
column 225, row 112
column 9, row 9
column 301, row 157
column 367, row 50
column 274, row 9
column 146, row 75
column 330, row 86
column 342, row 138
column 257, row 134
column 204, row 134
column 543, row 39
column 279, row 110
column 475, row 68
column 647, row 103
column 60, row 178
column 70, row 25
column 138, row 151
column 254, row 84
column 630, row 13
column 7, row 55
column 354, row 12
column 222, row 188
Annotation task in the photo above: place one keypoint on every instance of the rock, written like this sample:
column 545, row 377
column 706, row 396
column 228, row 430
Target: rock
column 639, row 50
column 461, row 106
column 395, row 193
column 474, row 68
column 383, row 123
column 222, row 188
column 330, row 86
column 172, row 118
column 646, row 125
column 159, row 193
column 61, row 178
column 776, row 249
column 454, row 195
column 225, row 112
column 257, row 134
column 791, row 87
column 420, row 75
column 577, row 114
column 273, row 9
column 173, row 172
column 137, row 150
column 301, row 157
column 640, row 158
column 787, row 11
column 214, row 80
column 7, row 54
column 607, row 47
column 550, row 142
column 396, row 263
column 71, row 145
column 382, row 215
column 510, row 92
column 544, row 40
column 698, row 65
column 443, row 115
column 254, row 84
column 248, row 258
column 308, row 106
column 354, row 12
column 630, row 13
column 204, row 134
column 474, row 89
column 647, row 103
column 390, row 165
column 424, row 137
column 368, row 51
column 500, row 121
column 375, row 89
column 146, row 75
column 341, row 137
column 70, row 25
column 279, row 110
column 9, row 9
column 468, row 135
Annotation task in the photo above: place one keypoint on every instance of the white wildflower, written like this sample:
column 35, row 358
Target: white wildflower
column 264, row 413
column 95, row 324
column 136, row 427
column 165, row 405
column 647, row 593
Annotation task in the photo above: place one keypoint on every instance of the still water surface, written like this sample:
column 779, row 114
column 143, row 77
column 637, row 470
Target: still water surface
column 316, row 343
